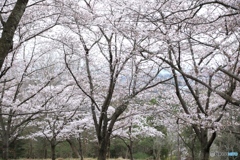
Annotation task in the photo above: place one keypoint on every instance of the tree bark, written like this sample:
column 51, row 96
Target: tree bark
column 5, row 139
column 9, row 28
column 106, row 130
column 5, row 149
column 74, row 149
column 53, row 151
column 6, row 44
column 80, row 146
column 102, row 152
column 206, row 143
column 130, row 146
column 204, row 152
column 131, row 150
column 45, row 149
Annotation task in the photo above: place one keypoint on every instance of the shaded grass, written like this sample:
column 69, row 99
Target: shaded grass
column 73, row 159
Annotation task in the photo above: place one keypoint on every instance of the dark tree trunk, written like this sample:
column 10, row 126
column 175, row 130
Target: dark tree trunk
column 106, row 130
column 131, row 150
column 204, row 148
column 102, row 155
column 108, row 150
column 9, row 28
column 53, row 151
column 80, row 146
column 102, row 152
column 206, row 143
column 6, row 44
column 45, row 149
column 30, row 152
column 130, row 146
column 74, row 149
column 5, row 149
column 5, row 144
column 205, row 154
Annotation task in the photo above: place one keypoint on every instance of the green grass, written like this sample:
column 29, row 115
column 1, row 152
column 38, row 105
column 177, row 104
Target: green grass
column 59, row 158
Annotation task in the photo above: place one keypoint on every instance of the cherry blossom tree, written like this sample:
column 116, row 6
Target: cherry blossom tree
column 109, row 65
column 116, row 54
column 63, row 116
column 20, row 78
column 21, row 99
column 25, row 75
column 135, row 124
column 197, row 50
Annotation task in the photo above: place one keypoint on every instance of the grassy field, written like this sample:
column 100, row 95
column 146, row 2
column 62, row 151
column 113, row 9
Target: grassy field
column 72, row 159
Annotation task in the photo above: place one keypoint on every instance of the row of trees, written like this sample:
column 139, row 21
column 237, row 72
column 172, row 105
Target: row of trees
column 70, row 66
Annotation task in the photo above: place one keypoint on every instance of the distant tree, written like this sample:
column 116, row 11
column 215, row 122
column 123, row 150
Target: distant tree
column 63, row 116
column 136, row 124
column 20, row 100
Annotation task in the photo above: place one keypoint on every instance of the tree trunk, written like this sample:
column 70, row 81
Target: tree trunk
column 74, row 149
column 30, row 152
column 45, row 149
column 53, row 148
column 102, row 152
column 206, row 143
column 104, row 132
column 108, row 151
column 80, row 146
column 205, row 154
column 9, row 28
column 131, row 143
column 5, row 149
column 5, row 146
column 130, row 150
column 102, row 155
